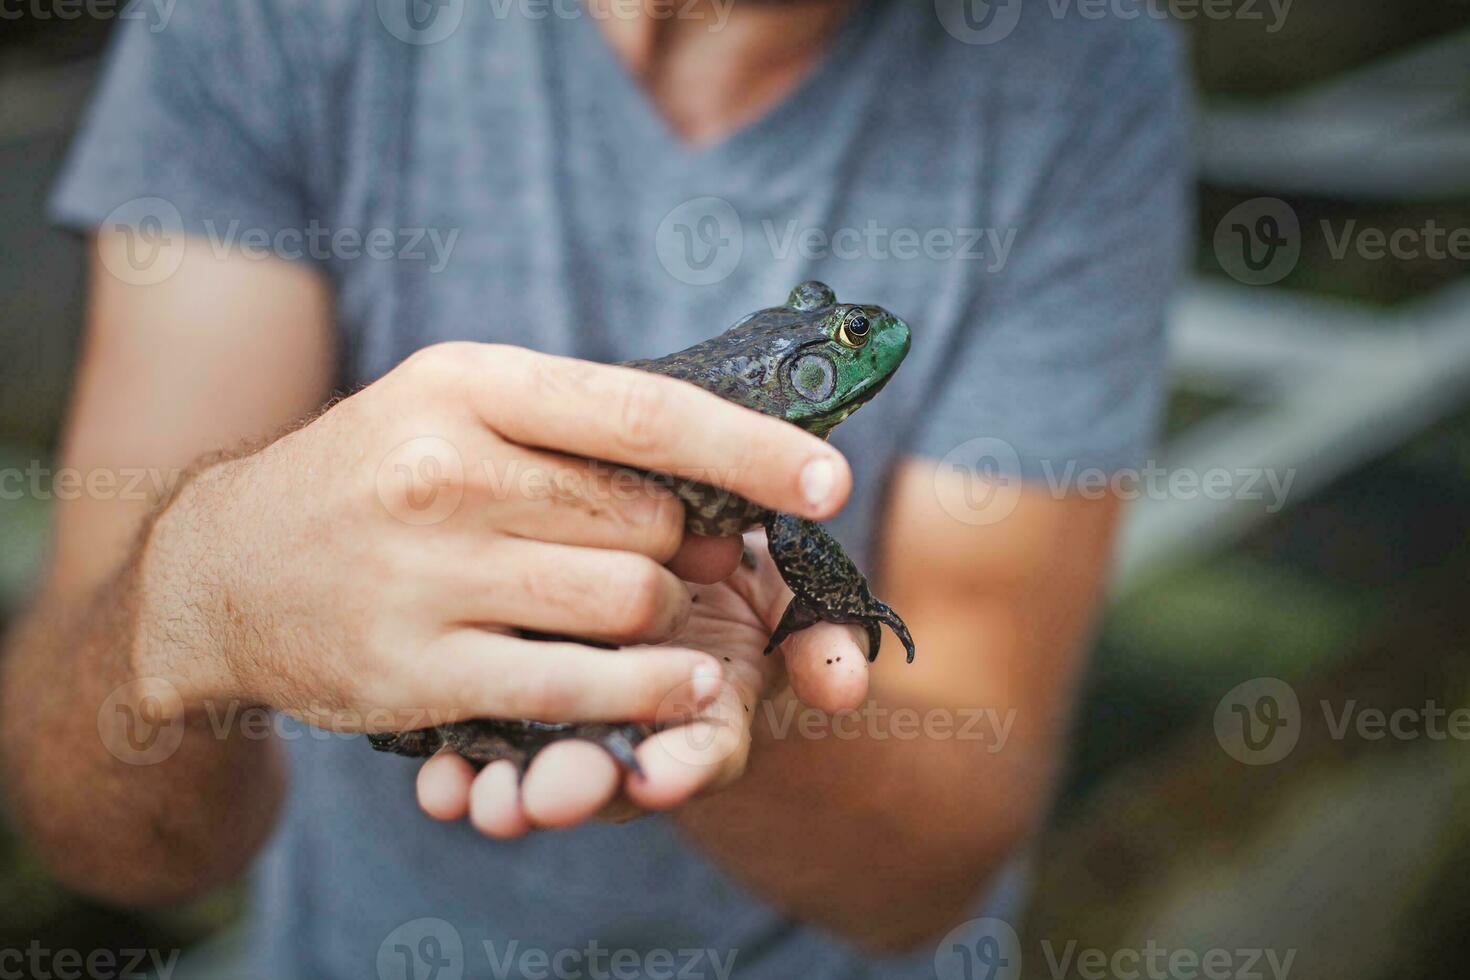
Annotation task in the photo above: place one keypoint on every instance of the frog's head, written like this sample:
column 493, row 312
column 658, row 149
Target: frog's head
column 844, row 353
column 812, row 361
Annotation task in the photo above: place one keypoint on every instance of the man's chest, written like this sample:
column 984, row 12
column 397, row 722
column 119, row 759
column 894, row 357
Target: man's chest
column 530, row 201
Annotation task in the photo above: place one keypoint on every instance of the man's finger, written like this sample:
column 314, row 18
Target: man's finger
column 827, row 667
column 569, row 782
column 695, row 756
column 569, row 500
column 657, row 423
column 591, row 592
column 443, row 786
column 705, row 560
column 680, row 763
column 474, row 673
column 495, row 802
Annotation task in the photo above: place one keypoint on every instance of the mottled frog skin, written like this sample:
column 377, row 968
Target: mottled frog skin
column 813, row 362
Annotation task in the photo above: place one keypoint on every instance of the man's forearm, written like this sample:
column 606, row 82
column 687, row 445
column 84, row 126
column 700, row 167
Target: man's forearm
column 119, row 801
column 874, row 832
column 888, row 837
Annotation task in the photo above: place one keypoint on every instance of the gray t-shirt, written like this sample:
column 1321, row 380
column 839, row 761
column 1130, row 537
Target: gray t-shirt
column 1016, row 191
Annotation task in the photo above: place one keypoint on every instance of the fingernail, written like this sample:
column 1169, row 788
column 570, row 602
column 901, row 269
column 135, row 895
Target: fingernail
column 705, row 683
column 818, row 478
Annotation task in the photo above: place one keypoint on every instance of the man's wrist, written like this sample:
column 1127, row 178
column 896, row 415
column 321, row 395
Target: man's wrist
column 181, row 629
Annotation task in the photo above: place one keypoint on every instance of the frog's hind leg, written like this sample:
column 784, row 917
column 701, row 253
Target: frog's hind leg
column 487, row 740
column 416, row 744
column 826, row 585
column 883, row 613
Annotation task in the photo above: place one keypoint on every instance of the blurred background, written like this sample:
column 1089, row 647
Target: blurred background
column 1235, row 784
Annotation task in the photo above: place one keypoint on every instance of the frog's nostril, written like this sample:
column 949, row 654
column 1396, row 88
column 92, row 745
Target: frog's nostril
column 901, row 336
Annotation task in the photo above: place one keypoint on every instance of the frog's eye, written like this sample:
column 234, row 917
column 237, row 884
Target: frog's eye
column 853, row 330
column 814, row 377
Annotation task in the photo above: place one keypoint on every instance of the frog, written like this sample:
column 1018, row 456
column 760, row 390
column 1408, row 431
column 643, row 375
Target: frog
column 811, row 361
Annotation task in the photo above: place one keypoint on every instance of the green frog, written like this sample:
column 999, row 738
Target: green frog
column 813, row 361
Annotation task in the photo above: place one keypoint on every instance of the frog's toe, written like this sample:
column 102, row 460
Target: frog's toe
column 883, row 614
column 798, row 616
column 618, row 741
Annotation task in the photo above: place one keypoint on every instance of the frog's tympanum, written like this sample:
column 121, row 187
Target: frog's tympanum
column 812, row 362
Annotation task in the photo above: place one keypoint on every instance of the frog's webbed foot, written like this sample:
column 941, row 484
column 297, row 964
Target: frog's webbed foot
column 827, row 586
column 487, row 740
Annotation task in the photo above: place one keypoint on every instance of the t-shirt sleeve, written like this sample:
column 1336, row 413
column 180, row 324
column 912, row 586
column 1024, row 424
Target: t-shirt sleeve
column 192, row 124
column 1063, row 358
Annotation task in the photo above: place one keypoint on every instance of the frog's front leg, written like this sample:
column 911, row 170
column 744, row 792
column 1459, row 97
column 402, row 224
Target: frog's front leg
column 826, row 585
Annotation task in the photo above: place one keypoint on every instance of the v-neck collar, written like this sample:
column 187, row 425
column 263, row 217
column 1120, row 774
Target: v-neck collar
column 798, row 110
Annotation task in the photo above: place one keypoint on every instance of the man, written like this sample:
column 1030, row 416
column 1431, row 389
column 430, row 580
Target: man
column 612, row 186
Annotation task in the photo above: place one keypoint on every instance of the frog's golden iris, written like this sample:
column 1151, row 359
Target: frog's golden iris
column 853, row 328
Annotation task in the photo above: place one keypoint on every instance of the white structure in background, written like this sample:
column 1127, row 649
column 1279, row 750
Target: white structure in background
column 1322, row 386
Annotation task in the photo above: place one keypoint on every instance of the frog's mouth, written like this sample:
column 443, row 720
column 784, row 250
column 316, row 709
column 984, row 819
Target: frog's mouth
column 861, row 394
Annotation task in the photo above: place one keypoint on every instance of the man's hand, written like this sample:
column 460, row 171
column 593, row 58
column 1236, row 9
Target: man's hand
column 365, row 571
column 362, row 572
column 696, row 753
